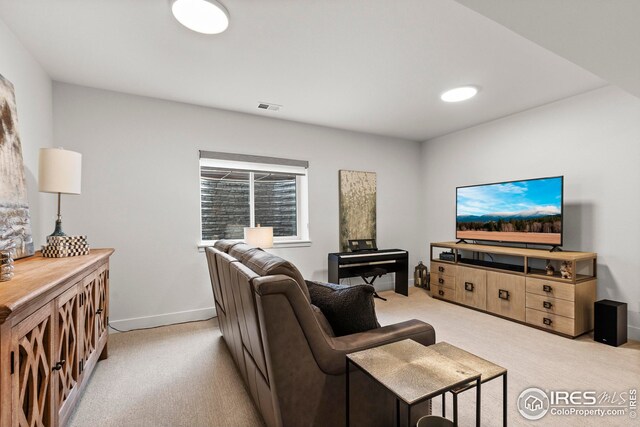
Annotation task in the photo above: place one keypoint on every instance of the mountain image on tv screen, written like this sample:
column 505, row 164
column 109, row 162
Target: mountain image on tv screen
column 528, row 211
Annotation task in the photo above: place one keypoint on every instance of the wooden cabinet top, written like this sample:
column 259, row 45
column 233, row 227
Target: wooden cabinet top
column 36, row 275
column 505, row 250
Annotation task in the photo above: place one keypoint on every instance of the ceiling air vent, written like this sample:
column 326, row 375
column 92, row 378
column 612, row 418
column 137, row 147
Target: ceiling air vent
column 270, row 107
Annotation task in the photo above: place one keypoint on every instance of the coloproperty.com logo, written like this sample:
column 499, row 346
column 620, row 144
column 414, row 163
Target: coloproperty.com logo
column 535, row 403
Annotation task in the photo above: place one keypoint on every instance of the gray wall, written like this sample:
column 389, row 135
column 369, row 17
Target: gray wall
column 141, row 191
column 140, row 181
column 593, row 140
column 33, row 91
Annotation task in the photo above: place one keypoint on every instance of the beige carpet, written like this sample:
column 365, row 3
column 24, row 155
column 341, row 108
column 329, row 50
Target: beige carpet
column 183, row 375
column 179, row 375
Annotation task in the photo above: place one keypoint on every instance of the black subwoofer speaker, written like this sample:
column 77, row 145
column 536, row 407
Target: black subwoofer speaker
column 610, row 322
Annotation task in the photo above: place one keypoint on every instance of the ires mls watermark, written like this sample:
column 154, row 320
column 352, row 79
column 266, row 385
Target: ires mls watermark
column 535, row 403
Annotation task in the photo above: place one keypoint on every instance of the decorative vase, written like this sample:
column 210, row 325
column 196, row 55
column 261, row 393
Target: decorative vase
column 566, row 270
column 6, row 262
column 550, row 270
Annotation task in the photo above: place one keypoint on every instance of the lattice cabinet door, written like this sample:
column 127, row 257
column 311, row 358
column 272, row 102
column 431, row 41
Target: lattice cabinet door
column 102, row 303
column 93, row 315
column 67, row 363
column 32, row 350
column 88, row 342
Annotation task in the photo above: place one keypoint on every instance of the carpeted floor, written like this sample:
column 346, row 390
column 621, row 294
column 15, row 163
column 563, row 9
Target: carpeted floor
column 183, row 375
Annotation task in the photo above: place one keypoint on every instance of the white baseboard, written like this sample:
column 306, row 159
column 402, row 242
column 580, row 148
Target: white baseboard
column 193, row 315
column 162, row 319
column 633, row 333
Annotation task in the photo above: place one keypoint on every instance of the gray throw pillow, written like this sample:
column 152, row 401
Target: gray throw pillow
column 349, row 309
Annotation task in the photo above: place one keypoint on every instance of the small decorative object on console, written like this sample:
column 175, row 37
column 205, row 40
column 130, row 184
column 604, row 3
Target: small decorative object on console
column 65, row 246
column 550, row 269
column 421, row 276
column 447, row 256
column 6, row 262
column 566, row 270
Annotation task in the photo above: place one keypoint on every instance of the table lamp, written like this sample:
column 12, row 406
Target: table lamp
column 260, row 237
column 59, row 172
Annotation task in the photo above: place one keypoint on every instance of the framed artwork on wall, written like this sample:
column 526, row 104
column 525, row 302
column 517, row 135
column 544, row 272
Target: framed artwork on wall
column 357, row 206
column 15, row 222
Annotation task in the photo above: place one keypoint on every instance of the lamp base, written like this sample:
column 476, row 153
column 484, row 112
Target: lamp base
column 58, row 231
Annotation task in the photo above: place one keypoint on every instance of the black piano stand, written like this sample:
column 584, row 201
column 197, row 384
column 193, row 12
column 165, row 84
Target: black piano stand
column 373, row 275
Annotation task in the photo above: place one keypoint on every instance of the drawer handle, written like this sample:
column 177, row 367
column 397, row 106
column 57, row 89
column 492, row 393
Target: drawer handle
column 99, row 311
column 441, row 269
column 547, row 321
column 547, row 304
column 58, row 365
column 546, row 288
column 441, row 281
column 503, row 294
column 441, row 292
column 468, row 286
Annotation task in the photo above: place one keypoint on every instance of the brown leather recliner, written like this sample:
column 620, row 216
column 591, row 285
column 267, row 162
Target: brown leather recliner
column 293, row 367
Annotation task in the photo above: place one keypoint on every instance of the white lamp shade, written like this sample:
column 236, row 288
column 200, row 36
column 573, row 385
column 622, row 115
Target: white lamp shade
column 59, row 171
column 260, row 237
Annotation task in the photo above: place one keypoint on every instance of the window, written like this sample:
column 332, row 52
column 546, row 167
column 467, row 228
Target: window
column 238, row 191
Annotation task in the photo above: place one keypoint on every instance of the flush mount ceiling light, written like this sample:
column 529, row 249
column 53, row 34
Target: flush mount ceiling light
column 202, row 16
column 459, row 94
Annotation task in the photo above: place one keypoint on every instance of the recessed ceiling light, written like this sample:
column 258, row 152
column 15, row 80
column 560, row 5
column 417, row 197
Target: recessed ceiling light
column 202, row 16
column 459, row 94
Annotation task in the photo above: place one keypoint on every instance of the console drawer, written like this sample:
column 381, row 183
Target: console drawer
column 551, row 305
column 443, row 280
column 549, row 288
column 471, row 287
column 443, row 293
column 553, row 322
column 443, row 268
column 506, row 295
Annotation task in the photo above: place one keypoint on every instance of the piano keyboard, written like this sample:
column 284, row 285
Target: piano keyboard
column 391, row 261
column 372, row 254
column 343, row 265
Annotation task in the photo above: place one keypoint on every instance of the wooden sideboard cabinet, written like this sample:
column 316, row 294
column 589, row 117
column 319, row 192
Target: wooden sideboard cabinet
column 513, row 283
column 53, row 329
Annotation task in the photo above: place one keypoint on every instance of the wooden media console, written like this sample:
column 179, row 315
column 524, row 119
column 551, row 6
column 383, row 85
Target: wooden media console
column 513, row 283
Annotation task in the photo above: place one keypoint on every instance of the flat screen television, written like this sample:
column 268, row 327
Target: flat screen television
column 526, row 211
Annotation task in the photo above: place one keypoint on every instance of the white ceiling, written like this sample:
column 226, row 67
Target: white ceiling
column 600, row 36
column 375, row 66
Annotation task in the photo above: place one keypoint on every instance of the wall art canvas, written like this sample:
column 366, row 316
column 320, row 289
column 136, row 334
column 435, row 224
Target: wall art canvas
column 357, row 206
column 15, row 224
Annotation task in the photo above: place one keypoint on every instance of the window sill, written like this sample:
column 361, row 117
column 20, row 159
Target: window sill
column 281, row 244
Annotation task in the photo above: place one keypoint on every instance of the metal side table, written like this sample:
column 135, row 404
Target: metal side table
column 488, row 371
column 413, row 373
